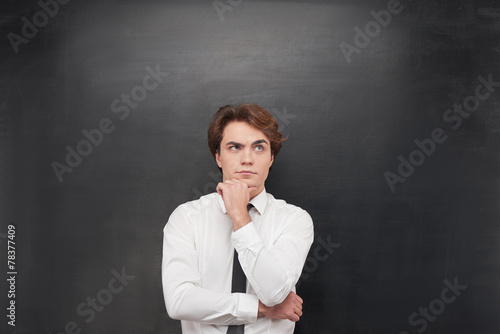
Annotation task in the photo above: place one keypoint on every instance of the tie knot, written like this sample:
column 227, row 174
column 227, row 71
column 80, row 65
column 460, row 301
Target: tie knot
column 249, row 206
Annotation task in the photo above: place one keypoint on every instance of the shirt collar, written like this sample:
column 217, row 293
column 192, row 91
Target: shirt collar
column 259, row 202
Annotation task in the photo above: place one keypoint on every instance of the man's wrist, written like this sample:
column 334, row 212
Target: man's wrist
column 240, row 220
column 262, row 310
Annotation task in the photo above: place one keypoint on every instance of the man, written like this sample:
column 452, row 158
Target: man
column 270, row 238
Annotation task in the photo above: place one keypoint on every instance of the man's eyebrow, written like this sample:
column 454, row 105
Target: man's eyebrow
column 260, row 141
column 257, row 142
column 233, row 143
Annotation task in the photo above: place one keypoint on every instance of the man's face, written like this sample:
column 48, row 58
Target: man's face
column 245, row 154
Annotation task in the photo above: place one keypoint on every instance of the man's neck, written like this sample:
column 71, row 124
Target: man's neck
column 257, row 194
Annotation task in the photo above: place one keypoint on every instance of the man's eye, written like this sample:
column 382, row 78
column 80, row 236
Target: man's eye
column 234, row 148
column 259, row 148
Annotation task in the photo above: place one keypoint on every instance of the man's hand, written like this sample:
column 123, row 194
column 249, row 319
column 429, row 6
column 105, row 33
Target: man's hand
column 236, row 195
column 290, row 308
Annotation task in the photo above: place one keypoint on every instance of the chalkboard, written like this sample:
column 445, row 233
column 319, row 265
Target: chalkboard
column 391, row 109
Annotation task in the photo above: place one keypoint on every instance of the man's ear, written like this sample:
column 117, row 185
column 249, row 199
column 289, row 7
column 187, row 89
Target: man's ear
column 217, row 158
column 272, row 160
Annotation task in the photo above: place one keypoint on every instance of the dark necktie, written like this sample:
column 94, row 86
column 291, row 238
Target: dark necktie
column 238, row 284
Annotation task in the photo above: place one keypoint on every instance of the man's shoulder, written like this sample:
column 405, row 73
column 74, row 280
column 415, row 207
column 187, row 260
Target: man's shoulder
column 294, row 216
column 282, row 205
column 201, row 203
column 192, row 210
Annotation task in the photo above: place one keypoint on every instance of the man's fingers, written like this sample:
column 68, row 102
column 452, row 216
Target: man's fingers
column 295, row 297
column 235, row 182
column 290, row 308
column 232, row 184
column 295, row 306
column 298, row 308
column 238, row 181
column 219, row 188
column 297, row 313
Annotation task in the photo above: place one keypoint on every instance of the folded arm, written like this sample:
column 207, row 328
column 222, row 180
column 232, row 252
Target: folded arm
column 273, row 270
column 185, row 299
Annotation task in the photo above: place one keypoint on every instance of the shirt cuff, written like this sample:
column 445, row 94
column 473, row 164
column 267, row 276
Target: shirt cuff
column 247, row 237
column 248, row 308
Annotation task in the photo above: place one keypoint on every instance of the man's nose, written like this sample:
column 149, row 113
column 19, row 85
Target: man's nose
column 247, row 157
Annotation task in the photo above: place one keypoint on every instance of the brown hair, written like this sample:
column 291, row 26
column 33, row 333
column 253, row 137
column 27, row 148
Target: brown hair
column 252, row 114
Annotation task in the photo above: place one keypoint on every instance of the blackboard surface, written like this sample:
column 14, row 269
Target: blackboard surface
column 392, row 113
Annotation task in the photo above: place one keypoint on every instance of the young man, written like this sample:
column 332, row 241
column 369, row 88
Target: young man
column 268, row 240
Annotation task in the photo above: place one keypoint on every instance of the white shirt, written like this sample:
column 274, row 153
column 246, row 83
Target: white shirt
column 198, row 249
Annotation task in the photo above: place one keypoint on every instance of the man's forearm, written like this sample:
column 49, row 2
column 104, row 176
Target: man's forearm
column 240, row 220
column 209, row 307
column 272, row 272
column 185, row 298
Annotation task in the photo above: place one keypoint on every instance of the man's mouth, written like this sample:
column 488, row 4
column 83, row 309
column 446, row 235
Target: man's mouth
column 246, row 172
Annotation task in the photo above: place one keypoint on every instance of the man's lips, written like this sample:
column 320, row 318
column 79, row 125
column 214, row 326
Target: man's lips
column 246, row 172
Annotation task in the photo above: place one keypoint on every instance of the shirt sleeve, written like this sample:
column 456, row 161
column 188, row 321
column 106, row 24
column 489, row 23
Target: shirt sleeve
column 274, row 270
column 185, row 299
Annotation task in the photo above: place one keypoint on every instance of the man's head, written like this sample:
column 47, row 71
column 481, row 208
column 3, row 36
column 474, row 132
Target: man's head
column 244, row 141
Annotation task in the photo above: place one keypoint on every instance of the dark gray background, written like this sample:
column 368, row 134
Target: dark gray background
column 347, row 124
